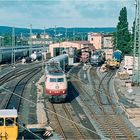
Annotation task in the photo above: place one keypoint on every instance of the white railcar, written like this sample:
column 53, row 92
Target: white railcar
column 56, row 82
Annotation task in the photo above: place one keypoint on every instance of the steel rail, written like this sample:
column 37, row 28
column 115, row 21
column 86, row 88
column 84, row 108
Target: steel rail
column 79, row 134
column 123, row 129
column 16, row 96
column 59, row 128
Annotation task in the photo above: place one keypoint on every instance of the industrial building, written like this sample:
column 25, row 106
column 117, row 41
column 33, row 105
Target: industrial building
column 100, row 41
column 57, row 48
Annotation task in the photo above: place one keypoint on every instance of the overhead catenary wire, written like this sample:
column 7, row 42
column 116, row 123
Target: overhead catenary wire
column 1, row 87
column 50, row 111
column 27, row 129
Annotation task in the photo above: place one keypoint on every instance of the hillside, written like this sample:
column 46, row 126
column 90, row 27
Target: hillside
column 51, row 31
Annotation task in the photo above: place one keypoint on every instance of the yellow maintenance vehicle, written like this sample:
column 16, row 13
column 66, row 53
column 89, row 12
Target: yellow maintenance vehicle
column 112, row 64
column 8, row 124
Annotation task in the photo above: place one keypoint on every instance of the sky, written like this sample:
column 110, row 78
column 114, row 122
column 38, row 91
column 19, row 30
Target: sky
column 64, row 13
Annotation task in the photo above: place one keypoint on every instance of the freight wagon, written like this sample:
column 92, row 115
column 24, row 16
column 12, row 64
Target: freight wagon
column 20, row 52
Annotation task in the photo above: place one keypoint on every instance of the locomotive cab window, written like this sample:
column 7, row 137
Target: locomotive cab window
column 60, row 79
column 52, row 79
column 1, row 121
column 9, row 121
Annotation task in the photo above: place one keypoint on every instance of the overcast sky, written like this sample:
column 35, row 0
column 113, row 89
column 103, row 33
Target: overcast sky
column 64, row 13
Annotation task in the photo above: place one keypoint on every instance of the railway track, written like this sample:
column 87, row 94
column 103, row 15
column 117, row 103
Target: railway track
column 63, row 123
column 14, row 94
column 112, row 118
column 16, row 72
column 66, row 121
column 103, row 110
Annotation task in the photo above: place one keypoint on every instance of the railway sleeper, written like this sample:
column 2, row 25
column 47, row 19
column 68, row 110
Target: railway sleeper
column 117, row 134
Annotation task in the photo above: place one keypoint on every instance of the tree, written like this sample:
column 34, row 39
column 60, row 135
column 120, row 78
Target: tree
column 7, row 39
column 123, row 38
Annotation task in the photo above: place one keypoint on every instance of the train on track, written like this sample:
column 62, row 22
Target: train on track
column 97, row 58
column 8, row 124
column 85, row 54
column 115, row 61
column 20, row 52
column 56, row 81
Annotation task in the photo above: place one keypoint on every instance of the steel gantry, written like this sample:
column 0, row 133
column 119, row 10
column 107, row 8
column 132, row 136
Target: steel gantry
column 136, row 56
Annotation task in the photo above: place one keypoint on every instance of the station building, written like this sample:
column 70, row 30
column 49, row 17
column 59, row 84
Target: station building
column 57, row 48
column 102, row 41
column 95, row 39
column 107, row 41
column 107, row 46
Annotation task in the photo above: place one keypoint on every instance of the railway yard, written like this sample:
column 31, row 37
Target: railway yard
column 96, row 106
column 77, row 78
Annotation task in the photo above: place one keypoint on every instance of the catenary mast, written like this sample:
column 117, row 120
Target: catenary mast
column 30, row 45
column 136, row 67
column 13, row 47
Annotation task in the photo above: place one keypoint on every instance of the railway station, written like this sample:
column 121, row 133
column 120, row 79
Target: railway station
column 66, row 83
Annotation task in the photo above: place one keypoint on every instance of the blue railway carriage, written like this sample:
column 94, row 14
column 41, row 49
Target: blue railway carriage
column 8, row 124
column 117, row 55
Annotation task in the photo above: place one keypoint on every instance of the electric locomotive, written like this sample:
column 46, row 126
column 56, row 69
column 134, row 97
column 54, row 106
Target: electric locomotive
column 56, row 81
column 97, row 58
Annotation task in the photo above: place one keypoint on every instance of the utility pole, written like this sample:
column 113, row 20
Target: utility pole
column 136, row 68
column 43, row 51
column 13, row 47
column 0, row 40
column 66, row 34
column 55, row 34
column 73, row 35
column 30, row 47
